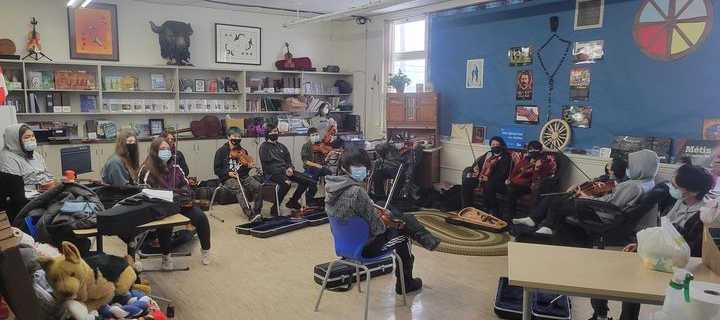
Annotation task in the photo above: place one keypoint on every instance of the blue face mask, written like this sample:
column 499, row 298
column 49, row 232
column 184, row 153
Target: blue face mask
column 315, row 138
column 30, row 146
column 674, row 192
column 164, row 155
column 358, row 173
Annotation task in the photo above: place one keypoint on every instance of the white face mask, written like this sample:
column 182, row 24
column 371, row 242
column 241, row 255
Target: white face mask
column 399, row 145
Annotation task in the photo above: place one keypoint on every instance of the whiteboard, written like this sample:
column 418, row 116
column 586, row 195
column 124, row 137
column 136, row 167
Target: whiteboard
column 7, row 117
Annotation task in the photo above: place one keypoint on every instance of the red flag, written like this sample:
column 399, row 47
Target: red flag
column 3, row 88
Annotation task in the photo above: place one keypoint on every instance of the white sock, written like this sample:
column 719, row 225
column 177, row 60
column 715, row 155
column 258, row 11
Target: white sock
column 526, row 221
column 544, row 230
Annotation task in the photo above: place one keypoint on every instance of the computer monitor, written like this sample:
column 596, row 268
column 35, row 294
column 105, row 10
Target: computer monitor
column 76, row 159
column 12, row 194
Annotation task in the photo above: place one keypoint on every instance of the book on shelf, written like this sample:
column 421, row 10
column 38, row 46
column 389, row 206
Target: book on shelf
column 88, row 103
column 112, row 83
column 35, row 80
column 110, row 130
column 128, row 83
column 50, row 103
column 72, row 80
column 157, row 81
column 212, row 85
column 48, row 80
column 256, row 85
column 186, row 85
column 220, row 85
column 231, row 85
column 126, row 105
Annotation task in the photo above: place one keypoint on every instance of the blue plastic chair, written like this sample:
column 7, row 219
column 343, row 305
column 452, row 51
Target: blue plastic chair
column 31, row 226
column 350, row 236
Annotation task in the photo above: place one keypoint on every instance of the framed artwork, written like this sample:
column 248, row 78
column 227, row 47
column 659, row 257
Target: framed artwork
column 589, row 14
column 527, row 114
column 520, row 56
column 478, row 135
column 577, row 116
column 156, row 126
column 157, row 81
column 588, row 51
column 474, row 74
column 93, row 32
column 237, row 44
column 524, row 85
column 711, row 129
column 199, row 85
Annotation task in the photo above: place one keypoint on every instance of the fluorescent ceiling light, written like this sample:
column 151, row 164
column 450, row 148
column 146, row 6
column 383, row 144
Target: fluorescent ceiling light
column 372, row 6
column 71, row 3
column 85, row 3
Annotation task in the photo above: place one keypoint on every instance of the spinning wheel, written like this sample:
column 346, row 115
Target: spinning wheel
column 555, row 134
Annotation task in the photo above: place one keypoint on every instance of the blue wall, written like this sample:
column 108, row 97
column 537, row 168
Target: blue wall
column 629, row 92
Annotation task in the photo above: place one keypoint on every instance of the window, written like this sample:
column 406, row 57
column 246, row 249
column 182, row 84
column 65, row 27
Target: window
column 408, row 49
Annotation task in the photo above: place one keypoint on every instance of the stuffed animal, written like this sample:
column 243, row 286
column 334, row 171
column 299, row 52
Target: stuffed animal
column 131, row 305
column 115, row 269
column 174, row 38
column 71, row 278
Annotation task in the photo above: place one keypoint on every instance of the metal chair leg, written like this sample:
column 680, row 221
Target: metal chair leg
column 402, row 276
column 357, row 274
column 367, row 290
column 212, row 201
column 324, row 285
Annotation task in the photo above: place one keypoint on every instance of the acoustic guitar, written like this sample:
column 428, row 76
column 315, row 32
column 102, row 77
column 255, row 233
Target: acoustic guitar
column 207, row 127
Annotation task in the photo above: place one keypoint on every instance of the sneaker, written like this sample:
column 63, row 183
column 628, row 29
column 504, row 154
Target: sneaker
column 427, row 240
column 545, row 230
column 167, row 263
column 293, row 204
column 410, row 285
column 205, row 257
column 526, row 221
column 256, row 217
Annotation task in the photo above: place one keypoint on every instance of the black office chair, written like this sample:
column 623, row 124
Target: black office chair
column 621, row 230
column 12, row 195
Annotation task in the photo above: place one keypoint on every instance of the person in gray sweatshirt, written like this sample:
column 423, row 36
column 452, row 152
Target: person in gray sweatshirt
column 19, row 157
column 642, row 168
column 346, row 198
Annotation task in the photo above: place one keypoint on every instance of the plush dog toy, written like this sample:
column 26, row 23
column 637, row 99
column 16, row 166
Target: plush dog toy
column 71, row 278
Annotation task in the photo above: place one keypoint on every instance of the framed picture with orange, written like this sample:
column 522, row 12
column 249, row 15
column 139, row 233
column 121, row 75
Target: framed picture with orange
column 93, row 32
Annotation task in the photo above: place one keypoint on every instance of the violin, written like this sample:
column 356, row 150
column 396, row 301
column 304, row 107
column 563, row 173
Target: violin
column 406, row 149
column 594, row 188
column 387, row 218
column 324, row 148
column 288, row 58
column 241, row 156
column 489, row 165
column 329, row 134
column 52, row 184
column 33, row 38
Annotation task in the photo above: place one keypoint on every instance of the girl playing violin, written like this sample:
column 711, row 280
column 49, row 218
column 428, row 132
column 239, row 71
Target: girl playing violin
column 490, row 170
column 231, row 166
column 346, row 198
column 314, row 162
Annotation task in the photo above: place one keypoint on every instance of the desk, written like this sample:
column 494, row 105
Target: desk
column 171, row 221
column 600, row 274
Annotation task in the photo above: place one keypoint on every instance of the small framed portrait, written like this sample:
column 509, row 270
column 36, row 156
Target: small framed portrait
column 478, row 134
column 199, row 85
column 520, row 56
column 527, row 114
column 156, row 126
column 524, row 85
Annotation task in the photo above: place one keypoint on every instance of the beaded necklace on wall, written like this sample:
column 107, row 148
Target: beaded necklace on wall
column 551, row 76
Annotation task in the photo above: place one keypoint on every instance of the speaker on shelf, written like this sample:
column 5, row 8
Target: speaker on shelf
column 351, row 122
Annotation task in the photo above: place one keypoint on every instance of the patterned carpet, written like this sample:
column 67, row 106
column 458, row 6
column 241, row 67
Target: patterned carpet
column 461, row 240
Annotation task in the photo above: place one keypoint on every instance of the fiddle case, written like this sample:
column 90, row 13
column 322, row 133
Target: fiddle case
column 314, row 215
column 475, row 219
column 545, row 306
column 343, row 276
column 266, row 228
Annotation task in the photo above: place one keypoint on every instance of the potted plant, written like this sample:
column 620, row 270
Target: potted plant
column 398, row 81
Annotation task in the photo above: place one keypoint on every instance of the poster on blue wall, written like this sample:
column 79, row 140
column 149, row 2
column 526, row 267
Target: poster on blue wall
column 514, row 136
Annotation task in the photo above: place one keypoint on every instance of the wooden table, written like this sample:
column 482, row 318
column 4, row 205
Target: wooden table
column 171, row 221
column 600, row 274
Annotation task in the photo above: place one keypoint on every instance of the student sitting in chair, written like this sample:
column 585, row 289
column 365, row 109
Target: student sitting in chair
column 346, row 198
column 315, row 162
column 122, row 167
column 642, row 168
column 394, row 153
column 277, row 165
column 688, row 186
column 19, row 157
column 232, row 173
column 529, row 170
column 178, row 156
column 489, row 170
column 614, row 173
column 157, row 172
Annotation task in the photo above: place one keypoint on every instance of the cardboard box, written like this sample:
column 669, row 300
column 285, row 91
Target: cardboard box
column 710, row 252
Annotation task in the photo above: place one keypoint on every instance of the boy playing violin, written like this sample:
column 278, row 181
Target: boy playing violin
column 490, row 170
column 394, row 153
column 230, row 170
column 315, row 155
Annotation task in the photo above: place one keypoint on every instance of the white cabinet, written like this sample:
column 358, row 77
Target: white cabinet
column 298, row 141
column 199, row 155
column 51, row 154
column 100, row 153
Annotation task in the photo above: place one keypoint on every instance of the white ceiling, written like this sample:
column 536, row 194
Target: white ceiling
column 313, row 6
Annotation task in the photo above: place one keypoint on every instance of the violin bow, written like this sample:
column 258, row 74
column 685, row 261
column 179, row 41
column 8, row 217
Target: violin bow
column 471, row 146
column 392, row 188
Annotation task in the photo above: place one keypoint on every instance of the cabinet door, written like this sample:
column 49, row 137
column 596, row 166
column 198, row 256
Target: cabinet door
column 411, row 108
column 51, row 154
column 204, row 157
column 99, row 152
column 299, row 141
column 427, row 107
column 396, row 107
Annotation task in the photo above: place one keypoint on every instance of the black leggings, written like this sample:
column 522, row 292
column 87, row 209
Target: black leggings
column 198, row 219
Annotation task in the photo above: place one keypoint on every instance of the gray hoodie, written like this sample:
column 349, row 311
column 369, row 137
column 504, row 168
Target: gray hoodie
column 14, row 160
column 345, row 198
column 642, row 168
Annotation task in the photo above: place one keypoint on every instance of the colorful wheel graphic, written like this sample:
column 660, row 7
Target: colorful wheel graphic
column 555, row 135
column 671, row 29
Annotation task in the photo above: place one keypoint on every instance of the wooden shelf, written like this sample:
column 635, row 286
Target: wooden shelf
column 60, row 90
column 271, row 94
column 137, row 91
column 59, row 114
column 217, row 93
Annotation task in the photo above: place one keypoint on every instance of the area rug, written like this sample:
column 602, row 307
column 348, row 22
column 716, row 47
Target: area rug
column 462, row 240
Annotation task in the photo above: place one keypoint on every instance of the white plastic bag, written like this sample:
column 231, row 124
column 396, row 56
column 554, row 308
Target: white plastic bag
column 662, row 248
column 710, row 213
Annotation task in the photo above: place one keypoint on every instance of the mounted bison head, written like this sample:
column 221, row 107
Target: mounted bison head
column 174, row 37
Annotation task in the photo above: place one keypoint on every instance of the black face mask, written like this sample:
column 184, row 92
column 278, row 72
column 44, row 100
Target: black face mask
column 496, row 149
column 132, row 149
column 534, row 154
column 273, row 137
column 236, row 142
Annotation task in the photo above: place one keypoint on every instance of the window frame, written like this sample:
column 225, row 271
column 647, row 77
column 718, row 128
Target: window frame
column 391, row 56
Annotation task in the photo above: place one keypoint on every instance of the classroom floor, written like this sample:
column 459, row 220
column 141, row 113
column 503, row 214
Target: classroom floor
column 253, row 278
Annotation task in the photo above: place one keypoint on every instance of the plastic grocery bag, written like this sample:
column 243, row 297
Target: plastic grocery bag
column 662, row 248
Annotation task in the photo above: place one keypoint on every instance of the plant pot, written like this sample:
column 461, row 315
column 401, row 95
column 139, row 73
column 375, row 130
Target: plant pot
column 400, row 89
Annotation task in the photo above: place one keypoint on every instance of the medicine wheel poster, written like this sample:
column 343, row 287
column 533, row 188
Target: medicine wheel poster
column 671, row 29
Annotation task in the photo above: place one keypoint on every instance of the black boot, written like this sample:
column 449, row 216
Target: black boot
column 411, row 284
column 426, row 239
